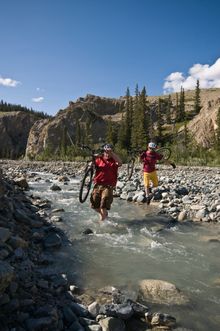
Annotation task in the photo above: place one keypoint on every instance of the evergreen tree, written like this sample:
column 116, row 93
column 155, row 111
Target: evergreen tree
column 186, row 136
column 140, row 123
column 151, row 124
column 144, row 119
column 122, row 137
column 111, row 136
column 135, row 121
column 197, row 102
column 218, row 131
column 177, row 108
column 127, row 125
column 168, row 110
column 159, row 120
column 181, row 107
column 7, row 107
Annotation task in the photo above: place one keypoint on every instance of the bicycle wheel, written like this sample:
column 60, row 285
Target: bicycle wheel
column 130, row 168
column 85, row 185
column 165, row 151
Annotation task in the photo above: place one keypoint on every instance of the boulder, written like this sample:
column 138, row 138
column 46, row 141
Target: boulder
column 162, row 292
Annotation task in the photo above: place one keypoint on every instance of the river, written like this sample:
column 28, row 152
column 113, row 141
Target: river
column 134, row 244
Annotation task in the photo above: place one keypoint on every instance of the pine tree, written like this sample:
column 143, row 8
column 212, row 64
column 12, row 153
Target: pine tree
column 177, row 108
column 159, row 120
column 127, row 126
column 186, row 136
column 144, row 118
column 182, row 105
column 197, row 102
column 122, row 138
column 111, row 136
column 218, row 131
column 135, row 121
column 168, row 110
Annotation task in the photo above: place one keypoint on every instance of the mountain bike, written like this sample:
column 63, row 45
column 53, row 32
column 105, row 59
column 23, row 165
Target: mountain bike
column 165, row 151
column 131, row 161
column 86, row 182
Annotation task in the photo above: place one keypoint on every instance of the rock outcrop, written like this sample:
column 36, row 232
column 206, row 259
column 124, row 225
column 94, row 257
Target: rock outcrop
column 85, row 116
column 14, row 128
column 203, row 126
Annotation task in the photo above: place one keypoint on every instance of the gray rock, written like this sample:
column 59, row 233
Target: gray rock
column 55, row 187
column 112, row 324
column 94, row 308
column 6, row 275
column 5, row 234
column 38, row 324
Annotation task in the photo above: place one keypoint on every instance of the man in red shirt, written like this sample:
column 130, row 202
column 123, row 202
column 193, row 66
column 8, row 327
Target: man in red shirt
column 105, row 180
column 149, row 159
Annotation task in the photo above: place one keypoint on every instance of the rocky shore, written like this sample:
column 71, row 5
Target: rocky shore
column 184, row 193
column 35, row 296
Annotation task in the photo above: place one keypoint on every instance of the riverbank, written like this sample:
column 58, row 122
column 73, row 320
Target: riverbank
column 184, row 193
column 36, row 296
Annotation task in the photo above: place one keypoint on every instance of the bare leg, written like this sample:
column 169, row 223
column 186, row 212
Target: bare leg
column 147, row 191
column 103, row 213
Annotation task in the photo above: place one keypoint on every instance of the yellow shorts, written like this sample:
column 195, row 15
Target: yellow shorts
column 150, row 177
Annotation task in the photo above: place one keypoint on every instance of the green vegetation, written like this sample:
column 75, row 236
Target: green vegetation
column 141, row 122
column 9, row 108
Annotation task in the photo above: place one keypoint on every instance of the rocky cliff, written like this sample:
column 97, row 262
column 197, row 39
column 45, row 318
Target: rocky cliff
column 20, row 130
column 85, row 116
column 203, row 126
column 14, row 129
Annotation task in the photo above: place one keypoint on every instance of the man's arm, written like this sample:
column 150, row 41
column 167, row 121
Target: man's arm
column 116, row 158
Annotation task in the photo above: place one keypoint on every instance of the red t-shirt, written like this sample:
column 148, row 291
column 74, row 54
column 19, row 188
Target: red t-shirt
column 106, row 171
column 150, row 158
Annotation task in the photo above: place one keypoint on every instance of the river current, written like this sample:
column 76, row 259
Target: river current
column 134, row 244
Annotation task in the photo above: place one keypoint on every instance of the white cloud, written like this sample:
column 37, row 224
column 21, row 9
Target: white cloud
column 9, row 82
column 208, row 76
column 38, row 99
column 39, row 89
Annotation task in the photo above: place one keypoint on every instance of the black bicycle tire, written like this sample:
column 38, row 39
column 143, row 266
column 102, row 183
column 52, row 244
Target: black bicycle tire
column 165, row 151
column 88, row 174
column 130, row 168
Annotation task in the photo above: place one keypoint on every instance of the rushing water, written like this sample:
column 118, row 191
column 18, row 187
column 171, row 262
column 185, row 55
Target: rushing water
column 135, row 244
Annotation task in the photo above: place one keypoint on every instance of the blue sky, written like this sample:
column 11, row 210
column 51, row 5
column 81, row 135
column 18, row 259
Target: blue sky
column 54, row 51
